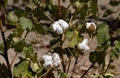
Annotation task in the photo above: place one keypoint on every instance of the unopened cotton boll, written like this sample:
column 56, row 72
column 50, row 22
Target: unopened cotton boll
column 47, row 60
column 56, row 28
column 91, row 26
column 56, row 59
column 84, row 45
column 63, row 24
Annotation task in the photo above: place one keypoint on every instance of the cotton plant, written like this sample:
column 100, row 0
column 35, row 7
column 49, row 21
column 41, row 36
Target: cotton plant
column 51, row 60
column 60, row 26
column 84, row 45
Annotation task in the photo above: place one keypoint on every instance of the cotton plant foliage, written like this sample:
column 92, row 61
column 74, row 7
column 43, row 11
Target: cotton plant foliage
column 62, row 34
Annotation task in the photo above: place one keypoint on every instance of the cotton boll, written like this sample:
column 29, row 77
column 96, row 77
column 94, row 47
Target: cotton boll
column 84, row 45
column 56, row 59
column 91, row 26
column 63, row 24
column 48, row 63
column 59, row 30
column 88, row 24
column 47, row 60
column 56, row 28
column 85, row 41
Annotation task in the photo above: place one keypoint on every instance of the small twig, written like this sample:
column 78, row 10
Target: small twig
column 45, row 73
column 88, row 70
column 38, row 39
column 69, row 65
column 48, row 16
column 69, row 60
column 63, row 64
column 74, row 66
column 43, row 11
column 13, row 60
column 108, row 65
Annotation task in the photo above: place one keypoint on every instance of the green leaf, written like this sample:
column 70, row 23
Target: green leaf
column 22, row 70
column 117, row 44
column 75, row 40
column 54, row 42
column 85, row 1
column 3, row 3
column 63, row 74
column 116, row 50
column 18, row 32
column 12, row 18
column 18, row 47
column 93, row 57
column 39, row 29
column 101, row 57
column 28, row 51
column 94, row 7
column 4, row 71
column 103, row 34
column 70, row 52
column 114, row 2
column 16, row 1
column 41, row 71
column 26, row 23
column 107, row 12
column 57, row 50
column 83, row 12
column 112, row 66
column 115, row 53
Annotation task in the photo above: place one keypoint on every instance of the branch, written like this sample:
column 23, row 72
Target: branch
column 74, row 66
column 110, row 60
column 5, row 50
column 87, row 70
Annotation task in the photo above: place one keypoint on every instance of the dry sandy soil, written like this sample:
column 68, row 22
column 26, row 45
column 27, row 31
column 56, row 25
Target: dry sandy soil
column 84, row 63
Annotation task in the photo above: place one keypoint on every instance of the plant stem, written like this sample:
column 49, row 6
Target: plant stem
column 88, row 70
column 5, row 50
column 13, row 60
column 43, row 11
column 69, row 65
column 59, row 8
column 63, row 64
column 108, row 64
column 74, row 66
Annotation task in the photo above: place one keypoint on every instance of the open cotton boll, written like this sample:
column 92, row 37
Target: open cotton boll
column 88, row 24
column 47, row 60
column 56, row 28
column 85, row 41
column 56, row 59
column 84, row 45
column 63, row 24
column 91, row 27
